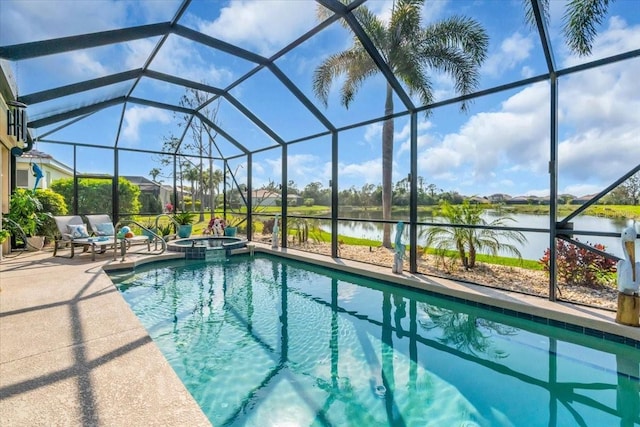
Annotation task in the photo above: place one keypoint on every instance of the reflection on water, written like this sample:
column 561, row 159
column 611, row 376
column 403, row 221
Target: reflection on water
column 263, row 341
column 533, row 249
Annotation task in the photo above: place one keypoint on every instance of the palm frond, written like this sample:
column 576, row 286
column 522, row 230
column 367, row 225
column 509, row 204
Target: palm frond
column 462, row 70
column 326, row 72
column 375, row 29
column 580, row 20
column 323, row 13
column 359, row 69
column 406, row 20
column 465, row 34
column 529, row 17
column 417, row 80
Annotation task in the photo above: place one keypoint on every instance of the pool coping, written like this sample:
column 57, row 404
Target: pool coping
column 584, row 319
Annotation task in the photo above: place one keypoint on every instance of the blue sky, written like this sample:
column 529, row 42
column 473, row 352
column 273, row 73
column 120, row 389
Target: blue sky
column 499, row 146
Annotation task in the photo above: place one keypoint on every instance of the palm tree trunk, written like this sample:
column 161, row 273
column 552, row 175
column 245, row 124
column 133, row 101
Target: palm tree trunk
column 181, row 189
column 387, row 167
column 472, row 256
column 463, row 255
column 202, row 203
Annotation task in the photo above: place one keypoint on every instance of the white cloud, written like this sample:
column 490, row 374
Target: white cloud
column 404, row 137
column 581, row 189
column 513, row 50
column 305, row 168
column 369, row 171
column 137, row 116
column 265, row 26
column 490, row 140
column 82, row 66
column 182, row 58
column 589, row 155
column 26, row 21
column 373, row 132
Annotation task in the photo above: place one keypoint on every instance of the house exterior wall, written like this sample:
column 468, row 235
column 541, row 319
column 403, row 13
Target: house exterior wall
column 264, row 201
column 52, row 171
column 7, row 92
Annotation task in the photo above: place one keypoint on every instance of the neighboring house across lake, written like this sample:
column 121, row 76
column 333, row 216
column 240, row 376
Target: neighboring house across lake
column 151, row 189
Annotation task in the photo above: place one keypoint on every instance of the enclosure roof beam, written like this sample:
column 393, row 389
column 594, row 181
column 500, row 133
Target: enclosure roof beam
column 541, row 25
column 229, row 138
column 206, row 40
column 233, row 101
column 22, row 51
column 62, row 126
column 301, row 97
column 47, row 95
column 160, row 105
column 54, row 118
column 182, row 82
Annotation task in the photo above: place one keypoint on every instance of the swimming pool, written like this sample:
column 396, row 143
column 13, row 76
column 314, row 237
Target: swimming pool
column 265, row 341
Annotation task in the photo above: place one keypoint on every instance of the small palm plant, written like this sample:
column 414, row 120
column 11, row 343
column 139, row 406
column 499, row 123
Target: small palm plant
column 467, row 241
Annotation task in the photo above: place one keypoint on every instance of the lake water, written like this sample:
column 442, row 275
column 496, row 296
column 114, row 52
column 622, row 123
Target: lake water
column 533, row 249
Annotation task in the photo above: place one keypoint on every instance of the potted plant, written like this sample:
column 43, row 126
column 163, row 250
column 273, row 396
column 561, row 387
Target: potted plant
column 4, row 235
column 25, row 210
column 185, row 221
column 231, row 224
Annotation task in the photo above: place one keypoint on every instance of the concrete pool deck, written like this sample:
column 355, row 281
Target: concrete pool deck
column 73, row 353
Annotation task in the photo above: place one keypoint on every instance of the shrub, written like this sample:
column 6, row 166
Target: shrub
column 308, row 202
column 578, row 266
column 95, row 194
column 25, row 210
column 267, row 226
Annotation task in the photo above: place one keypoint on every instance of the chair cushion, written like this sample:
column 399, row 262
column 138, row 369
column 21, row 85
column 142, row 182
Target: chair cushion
column 105, row 229
column 77, row 231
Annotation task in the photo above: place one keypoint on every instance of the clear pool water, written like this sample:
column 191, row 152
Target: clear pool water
column 270, row 342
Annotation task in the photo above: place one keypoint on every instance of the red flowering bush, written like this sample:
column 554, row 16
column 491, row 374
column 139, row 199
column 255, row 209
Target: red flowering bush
column 578, row 266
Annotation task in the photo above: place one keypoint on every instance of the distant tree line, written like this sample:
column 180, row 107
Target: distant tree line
column 370, row 195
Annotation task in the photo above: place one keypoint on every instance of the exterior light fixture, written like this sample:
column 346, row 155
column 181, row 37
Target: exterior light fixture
column 17, row 120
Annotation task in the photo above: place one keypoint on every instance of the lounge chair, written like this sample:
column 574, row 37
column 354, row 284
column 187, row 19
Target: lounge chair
column 73, row 232
column 101, row 225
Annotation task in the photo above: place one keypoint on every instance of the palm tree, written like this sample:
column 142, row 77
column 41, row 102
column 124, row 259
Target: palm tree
column 192, row 174
column 580, row 19
column 467, row 241
column 154, row 174
column 218, row 178
column 455, row 46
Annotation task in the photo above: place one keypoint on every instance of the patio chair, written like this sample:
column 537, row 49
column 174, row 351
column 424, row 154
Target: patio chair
column 101, row 225
column 73, row 232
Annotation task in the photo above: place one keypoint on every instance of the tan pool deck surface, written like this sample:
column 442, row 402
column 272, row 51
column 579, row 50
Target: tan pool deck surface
column 73, row 353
